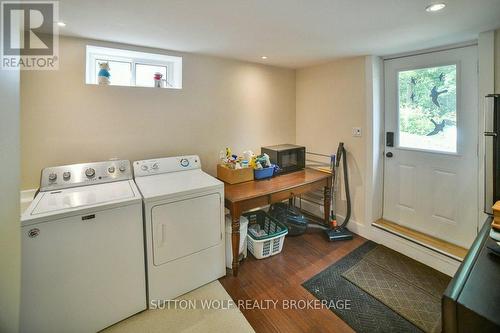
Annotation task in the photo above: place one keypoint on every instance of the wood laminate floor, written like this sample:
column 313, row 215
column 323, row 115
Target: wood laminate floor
column 280, row 277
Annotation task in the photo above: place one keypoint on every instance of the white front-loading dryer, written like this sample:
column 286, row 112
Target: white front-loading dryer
column 184, row 226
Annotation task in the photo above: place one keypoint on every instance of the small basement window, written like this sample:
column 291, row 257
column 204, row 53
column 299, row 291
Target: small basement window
column 135, row 69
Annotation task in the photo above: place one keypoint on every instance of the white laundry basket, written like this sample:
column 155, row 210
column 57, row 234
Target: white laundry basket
column 272, row 238
column 243, row 239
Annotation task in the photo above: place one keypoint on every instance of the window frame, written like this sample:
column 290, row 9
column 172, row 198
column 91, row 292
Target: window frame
column 458, row 151
column 172, row 63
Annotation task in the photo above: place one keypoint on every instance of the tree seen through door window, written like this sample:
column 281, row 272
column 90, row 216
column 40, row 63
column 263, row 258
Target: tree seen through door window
column 427, row 108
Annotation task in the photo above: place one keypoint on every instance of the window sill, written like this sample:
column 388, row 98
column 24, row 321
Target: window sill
column 123, row 86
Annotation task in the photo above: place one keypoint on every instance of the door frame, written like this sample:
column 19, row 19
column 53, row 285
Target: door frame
column 465, row 58
column 375, row 120
column 375, row 146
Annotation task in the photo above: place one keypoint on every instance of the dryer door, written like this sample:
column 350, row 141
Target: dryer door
column 185, row 227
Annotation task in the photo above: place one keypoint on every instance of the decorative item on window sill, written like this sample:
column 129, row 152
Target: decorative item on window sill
column 104, row 75
column 159, row 81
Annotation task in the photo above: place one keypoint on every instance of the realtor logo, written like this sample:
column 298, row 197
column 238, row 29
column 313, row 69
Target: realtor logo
column 29, row 35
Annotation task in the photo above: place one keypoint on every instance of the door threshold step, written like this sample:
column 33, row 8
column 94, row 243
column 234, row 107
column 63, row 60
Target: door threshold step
column 448, row 249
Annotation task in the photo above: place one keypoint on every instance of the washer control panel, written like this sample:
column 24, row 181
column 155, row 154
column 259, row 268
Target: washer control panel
column 74, row 175
column 166, row 165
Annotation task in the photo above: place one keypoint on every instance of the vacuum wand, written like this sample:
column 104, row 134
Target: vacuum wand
column 340, row 232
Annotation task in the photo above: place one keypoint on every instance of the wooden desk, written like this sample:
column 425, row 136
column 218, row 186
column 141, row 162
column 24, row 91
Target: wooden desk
column 245, row 196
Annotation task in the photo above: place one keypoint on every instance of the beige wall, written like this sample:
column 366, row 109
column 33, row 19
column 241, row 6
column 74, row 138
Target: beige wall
column 223, row 102
column 497, row 61
column 10, row 242
column 330, row 101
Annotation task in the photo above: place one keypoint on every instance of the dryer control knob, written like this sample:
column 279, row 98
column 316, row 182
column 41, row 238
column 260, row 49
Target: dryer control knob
column 122, row 168
column 184, row 162
column 90, row 172
column 155, row 166
column 111, row 169
column 144, row 167
column 52, row 176
column 66, row 175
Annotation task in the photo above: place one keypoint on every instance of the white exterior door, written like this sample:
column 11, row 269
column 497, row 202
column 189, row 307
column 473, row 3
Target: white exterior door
column 431, row 170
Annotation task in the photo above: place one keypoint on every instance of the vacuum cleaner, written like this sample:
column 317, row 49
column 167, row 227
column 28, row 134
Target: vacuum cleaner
column 297, row 223
column 290, row 216
column 340, row 232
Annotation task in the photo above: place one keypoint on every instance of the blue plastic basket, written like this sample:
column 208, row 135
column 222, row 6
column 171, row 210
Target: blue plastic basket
column 264, row 173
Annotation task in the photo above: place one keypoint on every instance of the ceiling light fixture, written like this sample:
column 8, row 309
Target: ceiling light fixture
column 61, row 24
column 263, row 57
column 435, row 7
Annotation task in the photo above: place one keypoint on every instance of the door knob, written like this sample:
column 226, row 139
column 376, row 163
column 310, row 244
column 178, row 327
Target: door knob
column 389, row 154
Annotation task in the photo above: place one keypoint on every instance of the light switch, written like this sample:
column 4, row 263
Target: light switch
column 356, row 131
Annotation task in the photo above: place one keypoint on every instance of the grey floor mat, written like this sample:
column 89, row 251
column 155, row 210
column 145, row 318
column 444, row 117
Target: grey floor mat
column 366, row 313
column 411, row 271
column 411, row 302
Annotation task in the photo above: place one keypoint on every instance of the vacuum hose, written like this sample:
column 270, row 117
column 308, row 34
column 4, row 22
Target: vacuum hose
column 341, row 154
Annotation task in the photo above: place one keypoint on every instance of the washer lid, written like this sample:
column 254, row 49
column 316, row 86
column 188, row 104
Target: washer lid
column 176, row 183
column 72, row 198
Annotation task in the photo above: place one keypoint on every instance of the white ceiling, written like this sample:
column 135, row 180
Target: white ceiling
column 292, row 33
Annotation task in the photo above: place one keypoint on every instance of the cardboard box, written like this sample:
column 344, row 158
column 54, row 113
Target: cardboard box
column 496, row 216
column 234, row 176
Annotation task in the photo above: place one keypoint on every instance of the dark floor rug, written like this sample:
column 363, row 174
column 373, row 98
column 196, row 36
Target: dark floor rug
column 406, row 286
column 366, row 312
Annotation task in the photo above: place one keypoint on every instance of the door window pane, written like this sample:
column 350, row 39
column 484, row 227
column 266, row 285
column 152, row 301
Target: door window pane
column 144, row 75
column 121, row 72
column 428, row 108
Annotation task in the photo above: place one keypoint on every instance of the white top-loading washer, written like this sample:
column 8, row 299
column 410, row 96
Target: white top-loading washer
column 184, row 225
column 82, row 249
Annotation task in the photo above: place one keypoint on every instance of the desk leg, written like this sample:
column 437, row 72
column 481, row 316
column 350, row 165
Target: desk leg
column 327, row 197
column 235, row 237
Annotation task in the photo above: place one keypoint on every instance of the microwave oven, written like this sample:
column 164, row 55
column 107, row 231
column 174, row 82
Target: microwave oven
column 288, row 157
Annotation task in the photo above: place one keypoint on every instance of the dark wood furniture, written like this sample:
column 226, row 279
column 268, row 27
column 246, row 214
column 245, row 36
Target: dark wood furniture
column 249, row 195
column 471, row 303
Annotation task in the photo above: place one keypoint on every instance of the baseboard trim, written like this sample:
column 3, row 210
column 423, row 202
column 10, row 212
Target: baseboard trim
column 420, row 253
